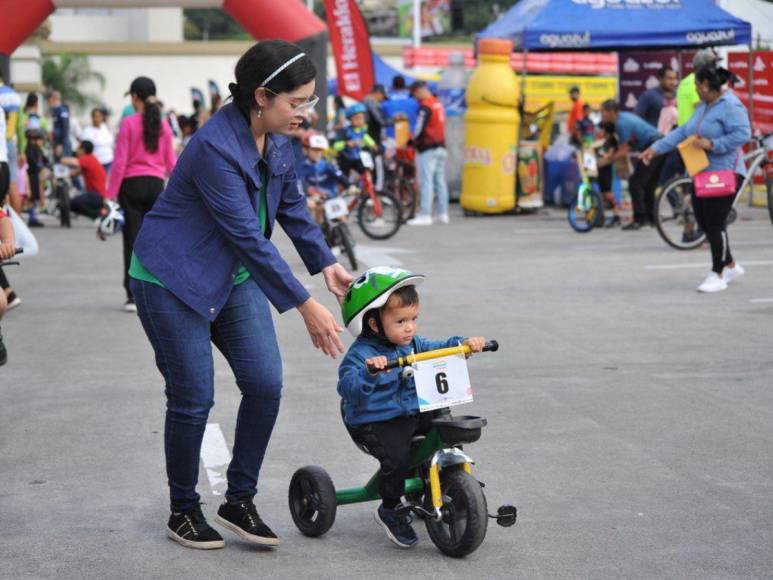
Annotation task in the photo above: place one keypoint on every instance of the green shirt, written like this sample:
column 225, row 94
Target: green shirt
column 686, row 99
column 140, row 272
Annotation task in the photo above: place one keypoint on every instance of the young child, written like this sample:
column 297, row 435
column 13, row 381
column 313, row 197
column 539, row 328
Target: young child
column 584, row 127
column 320, row 178
column 355, row 138
column 36, row 163
column 381, row 411
column 604, row 179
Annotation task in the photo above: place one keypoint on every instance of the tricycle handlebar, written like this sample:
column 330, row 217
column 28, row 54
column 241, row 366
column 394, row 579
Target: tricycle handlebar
column 404, row 361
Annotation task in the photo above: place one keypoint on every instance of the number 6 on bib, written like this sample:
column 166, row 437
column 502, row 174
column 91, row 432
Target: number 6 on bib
column 442, row 382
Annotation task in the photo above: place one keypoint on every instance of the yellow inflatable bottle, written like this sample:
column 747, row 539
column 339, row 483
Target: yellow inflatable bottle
column 490, row 134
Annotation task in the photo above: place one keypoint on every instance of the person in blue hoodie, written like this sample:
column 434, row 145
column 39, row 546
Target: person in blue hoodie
column 381, row 410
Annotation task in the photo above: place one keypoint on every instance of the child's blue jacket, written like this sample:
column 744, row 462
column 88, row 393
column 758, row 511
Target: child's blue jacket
column 373, row 398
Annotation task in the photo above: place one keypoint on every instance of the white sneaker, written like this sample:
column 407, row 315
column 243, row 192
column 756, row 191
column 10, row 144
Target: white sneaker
column 13, row 303
column 420, row 220
column 713, row 283
column 130, row 306
column 730, row 274
column 443, row 218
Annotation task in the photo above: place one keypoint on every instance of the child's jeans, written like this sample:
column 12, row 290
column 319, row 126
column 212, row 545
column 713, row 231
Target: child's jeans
column 390, row 443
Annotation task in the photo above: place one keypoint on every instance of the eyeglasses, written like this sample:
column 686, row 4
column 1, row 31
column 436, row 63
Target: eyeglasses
column 299, row 108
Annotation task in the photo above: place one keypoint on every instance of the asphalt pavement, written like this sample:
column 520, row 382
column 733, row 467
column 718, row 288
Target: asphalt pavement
column 630, row 418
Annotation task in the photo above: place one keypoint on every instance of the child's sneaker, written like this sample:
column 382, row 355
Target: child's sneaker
column 241, row 517
column 190, row 529
column 728, row 273
column 397, row 527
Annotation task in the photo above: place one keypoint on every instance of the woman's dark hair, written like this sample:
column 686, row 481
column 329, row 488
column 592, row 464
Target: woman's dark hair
column 714, row 75
column 32, row 101
column 145, row 90
column 259, row 63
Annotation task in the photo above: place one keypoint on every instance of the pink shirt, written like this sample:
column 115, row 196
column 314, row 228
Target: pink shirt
column 133, row 160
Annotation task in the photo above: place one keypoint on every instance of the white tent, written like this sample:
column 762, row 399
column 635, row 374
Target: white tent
column 759, row 13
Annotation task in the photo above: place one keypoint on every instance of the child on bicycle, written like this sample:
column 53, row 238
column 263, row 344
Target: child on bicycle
column 381, row 411
column 355, row 138
column 320, row 178
column 604, row 179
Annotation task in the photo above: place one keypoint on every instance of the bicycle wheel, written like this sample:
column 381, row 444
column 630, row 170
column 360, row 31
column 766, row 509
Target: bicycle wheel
column 380, row 227
column 586, row 210
column 769, row 187
column 675, row 216
column 63, row 197
column 347, row 244
column 408, row 198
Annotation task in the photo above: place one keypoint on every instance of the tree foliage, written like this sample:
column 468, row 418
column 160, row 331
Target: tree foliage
column 67, row 73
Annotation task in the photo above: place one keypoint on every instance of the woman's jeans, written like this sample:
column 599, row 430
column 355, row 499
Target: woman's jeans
column 432, row 180
column 244, row 333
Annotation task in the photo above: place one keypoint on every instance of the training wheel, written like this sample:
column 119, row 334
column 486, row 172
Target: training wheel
column 312, row 499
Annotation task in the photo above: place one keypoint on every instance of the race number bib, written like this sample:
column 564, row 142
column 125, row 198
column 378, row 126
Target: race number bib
column 336, row 208
column 442, row 382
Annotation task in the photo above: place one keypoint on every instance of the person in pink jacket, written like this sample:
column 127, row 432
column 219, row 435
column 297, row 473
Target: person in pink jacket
column 144, row 156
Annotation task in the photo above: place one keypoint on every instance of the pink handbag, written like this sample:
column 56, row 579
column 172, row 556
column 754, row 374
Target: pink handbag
column 716, row 183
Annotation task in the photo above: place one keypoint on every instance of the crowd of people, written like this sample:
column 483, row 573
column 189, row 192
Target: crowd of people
column 405, row 117
column 700, row 105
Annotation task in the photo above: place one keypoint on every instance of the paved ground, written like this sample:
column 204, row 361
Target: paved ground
column 630, row 419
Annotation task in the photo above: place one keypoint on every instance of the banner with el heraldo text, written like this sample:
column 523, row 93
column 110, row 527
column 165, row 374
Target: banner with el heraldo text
column 351, row 48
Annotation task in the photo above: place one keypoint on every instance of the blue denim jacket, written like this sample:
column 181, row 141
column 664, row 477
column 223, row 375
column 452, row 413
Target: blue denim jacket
column 374, row 398
column 725, row 122
column 205, row 223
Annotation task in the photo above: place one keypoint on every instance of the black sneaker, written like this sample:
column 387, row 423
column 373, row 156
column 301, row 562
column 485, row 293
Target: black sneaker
column 190, row 529
column 3, row 352
column 35, row 224
column 241, row 517
column 632, row 227
column 397, row 527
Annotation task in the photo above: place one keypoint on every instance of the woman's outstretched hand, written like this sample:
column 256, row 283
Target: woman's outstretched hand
column 322, row 327
column 337, row 279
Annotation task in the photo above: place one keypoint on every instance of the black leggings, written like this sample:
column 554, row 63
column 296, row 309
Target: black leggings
column 711, row 214
column 390, row 443
column 136, row 198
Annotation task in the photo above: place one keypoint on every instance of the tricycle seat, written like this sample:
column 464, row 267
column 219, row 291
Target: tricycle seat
column 458, row 430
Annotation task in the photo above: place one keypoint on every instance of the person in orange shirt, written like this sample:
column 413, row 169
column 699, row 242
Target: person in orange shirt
column 575, row 114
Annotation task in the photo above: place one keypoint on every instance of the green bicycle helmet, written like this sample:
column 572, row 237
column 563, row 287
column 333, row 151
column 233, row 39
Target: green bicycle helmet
column 372, row 290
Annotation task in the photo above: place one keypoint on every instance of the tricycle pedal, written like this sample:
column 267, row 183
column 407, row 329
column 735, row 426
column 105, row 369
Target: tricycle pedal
column 506, row 515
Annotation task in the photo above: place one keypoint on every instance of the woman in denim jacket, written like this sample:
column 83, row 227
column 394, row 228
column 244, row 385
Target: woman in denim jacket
column 204, row 270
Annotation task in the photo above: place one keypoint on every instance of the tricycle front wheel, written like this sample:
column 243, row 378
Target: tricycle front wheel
column 465, row 516
column 312, row 499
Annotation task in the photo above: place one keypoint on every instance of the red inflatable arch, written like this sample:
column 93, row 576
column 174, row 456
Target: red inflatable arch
column 283, row 19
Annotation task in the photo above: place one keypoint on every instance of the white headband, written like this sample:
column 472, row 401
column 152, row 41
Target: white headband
column 281, row 68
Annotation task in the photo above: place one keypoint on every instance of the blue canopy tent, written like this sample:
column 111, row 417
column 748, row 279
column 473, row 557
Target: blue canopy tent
column 383, row 73
column 617, row 24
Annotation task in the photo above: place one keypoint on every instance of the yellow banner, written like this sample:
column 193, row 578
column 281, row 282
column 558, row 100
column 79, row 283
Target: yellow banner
column 541, row 89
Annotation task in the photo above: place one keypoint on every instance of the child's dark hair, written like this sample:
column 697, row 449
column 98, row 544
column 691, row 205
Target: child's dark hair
column 405, row 296
column 716, row 76
column 87, row 146
column 259, row 62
